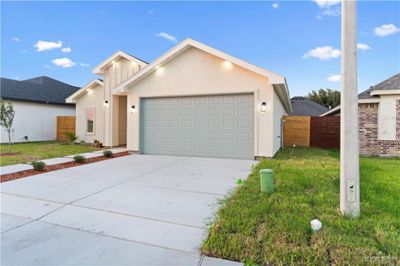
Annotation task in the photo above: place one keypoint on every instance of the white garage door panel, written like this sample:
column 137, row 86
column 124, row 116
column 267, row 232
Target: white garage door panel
column 206, row 126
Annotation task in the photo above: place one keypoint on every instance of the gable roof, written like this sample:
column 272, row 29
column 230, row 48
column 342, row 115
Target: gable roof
column 392, row 83
column 118, row 54
column 278, row 81
column 72, row 98
column 41, row 90
column 388, row 86
column 305, row 106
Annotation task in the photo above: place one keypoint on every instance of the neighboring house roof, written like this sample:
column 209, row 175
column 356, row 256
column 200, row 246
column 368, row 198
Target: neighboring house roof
column 278, row 81
column 304, row 106
column 392, row 83
column 387, row 87
column 41, row 90
column 72, row 98
column 99, row 70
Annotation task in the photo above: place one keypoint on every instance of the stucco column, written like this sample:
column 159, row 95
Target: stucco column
column 107, row 122
column 349, row 144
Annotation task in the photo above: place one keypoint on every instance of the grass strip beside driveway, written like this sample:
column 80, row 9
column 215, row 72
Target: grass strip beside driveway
column 261, row 229
column 31, row 151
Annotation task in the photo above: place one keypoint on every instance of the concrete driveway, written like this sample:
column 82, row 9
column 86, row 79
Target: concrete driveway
column 133, row 210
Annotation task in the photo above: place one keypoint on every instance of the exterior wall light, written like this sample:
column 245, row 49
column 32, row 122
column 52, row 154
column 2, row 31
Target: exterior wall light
column 105, row 104
column 263, row 107
column 133, row 109
column 228, row 64
column 159, row 69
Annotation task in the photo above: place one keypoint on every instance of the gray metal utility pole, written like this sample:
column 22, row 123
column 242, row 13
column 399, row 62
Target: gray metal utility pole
column 349, row 141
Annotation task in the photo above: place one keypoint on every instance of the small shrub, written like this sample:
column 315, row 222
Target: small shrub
column 38, row 166
column 239, row 181
column 71, row 137
column 79, row 159
column 107, row 153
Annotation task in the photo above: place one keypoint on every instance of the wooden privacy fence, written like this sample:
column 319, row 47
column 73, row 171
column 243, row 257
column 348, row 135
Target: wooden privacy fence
column 325, row 132
column 296, row 131
column 65, row 124
column 311, row 131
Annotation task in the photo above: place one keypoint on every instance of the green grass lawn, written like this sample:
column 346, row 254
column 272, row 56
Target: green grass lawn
column 275, row 230
column 26, row 152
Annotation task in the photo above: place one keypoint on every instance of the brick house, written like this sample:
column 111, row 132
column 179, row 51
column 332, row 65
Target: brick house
column 379, row 118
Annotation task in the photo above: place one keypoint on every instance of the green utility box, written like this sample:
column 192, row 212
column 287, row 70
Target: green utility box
column 267, row 181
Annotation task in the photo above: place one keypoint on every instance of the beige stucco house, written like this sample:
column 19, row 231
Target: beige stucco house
column 193, row 101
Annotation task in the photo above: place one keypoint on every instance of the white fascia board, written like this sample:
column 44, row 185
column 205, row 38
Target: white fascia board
column 331, row 111
column 99, row 69
column 385, row 92
column 375, row 100
column 273, row 77
column 83, row 90
column 123, row 87
column 282, row 92
column 337, row 108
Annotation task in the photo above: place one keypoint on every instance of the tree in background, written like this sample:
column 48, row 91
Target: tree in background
column 7, row 117
column 326, row 97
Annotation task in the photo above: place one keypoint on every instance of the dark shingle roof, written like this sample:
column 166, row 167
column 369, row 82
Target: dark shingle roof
column 392, row 83
column 40, row 89
column 304, row 106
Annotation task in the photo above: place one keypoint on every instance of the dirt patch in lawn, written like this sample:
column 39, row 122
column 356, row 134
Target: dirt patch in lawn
column 50, row 168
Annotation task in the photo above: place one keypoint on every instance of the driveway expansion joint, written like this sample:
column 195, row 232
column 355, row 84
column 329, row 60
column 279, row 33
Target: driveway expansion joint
column 120, row 238
column 136, row 216
column 178, row 189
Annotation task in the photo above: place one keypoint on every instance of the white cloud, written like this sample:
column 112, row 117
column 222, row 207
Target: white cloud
column 363, row 46
column 334, row 78
column 83, row 64
column 275, row 5
column 328, row 8
column 323, row 53
column 331, row 12
column 150, row 11
column 63, row 62
column 167, row 36
column 326, row 3
column 386, row 29
column 16, row 39
column 48, row 67
column 43, row 45
column 66, row 49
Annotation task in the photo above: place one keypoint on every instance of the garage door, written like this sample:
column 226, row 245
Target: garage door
column 205, row 126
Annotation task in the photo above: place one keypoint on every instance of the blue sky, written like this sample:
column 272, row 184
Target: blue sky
column 297, row 39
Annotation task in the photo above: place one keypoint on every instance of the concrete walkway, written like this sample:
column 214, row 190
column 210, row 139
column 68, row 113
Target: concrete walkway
column 136, row 210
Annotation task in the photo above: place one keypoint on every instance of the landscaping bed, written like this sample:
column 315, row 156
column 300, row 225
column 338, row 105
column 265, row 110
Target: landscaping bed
column 50, row 168
column 275, row 230
column 34, row 151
